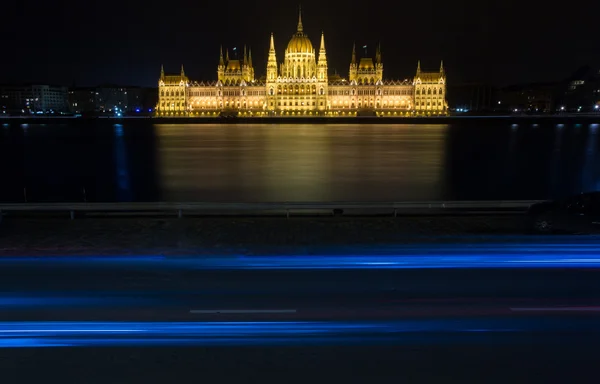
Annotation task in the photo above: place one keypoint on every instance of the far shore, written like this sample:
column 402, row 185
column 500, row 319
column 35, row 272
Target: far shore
column 560, row 118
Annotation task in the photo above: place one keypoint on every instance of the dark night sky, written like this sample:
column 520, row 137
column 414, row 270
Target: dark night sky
column 125, row 41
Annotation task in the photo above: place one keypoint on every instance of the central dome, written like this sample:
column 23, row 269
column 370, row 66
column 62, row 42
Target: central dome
column 300, row 43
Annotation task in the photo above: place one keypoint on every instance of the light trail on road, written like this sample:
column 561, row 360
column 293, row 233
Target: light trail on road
column 86, row 334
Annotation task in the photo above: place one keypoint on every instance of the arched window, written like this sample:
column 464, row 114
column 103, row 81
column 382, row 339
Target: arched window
column 321, row 91
column 434, row 91
column 441, row 91
column 418, row 91
column 271, row 91
column 429, row 91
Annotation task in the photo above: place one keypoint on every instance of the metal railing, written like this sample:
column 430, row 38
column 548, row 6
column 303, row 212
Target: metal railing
column 287, row 208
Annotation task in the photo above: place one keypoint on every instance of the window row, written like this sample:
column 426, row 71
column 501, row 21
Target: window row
column 429, row 91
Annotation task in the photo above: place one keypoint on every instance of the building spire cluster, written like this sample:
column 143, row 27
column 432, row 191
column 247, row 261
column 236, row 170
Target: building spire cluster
column 300, row 85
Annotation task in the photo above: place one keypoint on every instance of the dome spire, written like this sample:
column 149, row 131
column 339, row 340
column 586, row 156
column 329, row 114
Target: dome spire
column 300, row 28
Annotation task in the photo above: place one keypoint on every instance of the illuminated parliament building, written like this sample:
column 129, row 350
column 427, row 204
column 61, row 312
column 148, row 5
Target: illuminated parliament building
column 301, row 86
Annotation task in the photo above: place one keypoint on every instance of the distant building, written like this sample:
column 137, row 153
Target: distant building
column 33, row 99
column 301, row 85
column 472, row 97
column 106, row 99
column 528, row 98
column 580, row 92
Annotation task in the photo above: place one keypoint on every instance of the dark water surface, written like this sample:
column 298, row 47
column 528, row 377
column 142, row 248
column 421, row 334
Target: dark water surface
column 141, row 161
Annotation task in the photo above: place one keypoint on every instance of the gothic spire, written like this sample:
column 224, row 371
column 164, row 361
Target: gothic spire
column 182, row 71
column 419, row 66
column 442, row 66
column 245, row 60
column 354, row 53
column 322, row 54
column 300, row 28
column 272, row 46
column 162, row 71
column 250, row 57
column 227, row 55
column 221, row 62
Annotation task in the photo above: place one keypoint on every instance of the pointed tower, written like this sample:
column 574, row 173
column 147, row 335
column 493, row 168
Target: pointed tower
column 271, row 82
column 352, row 74
column 245, row 74
column 442, row 89
column 322, row 89
column 378, row 64
column 221, row 66
column 322, row 63
column 182, row 71
column 272, row 62
column 300, row 28
column 162, row 72
column 250, row 66
column 226, row 55
column 418, row 67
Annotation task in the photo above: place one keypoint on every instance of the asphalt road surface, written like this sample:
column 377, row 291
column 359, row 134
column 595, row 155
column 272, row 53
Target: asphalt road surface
column 511, row 309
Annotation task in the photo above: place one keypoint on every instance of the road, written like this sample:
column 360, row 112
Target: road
column 495, row 309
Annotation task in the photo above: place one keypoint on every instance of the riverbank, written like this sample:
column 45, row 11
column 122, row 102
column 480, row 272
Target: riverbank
column 234, row 236
column 552, row 119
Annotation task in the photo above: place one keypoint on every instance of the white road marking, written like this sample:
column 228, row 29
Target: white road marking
column 238, row 311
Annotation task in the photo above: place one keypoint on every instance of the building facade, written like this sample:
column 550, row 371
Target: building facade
column 300, row 86
column 33, row 99
column 106, row 99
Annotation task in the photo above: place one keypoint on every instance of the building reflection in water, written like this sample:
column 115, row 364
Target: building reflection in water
column 292, row 162
column 555, row 172
column 511, row 156
column 122, row 171
column 589, row 174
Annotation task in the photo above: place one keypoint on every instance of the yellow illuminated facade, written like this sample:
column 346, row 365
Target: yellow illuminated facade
column 300, row 86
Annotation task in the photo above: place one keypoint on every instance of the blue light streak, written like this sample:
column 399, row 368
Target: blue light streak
column 53, row 334
column 500, row 256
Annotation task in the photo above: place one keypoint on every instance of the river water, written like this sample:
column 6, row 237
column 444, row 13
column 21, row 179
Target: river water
column 141, row 161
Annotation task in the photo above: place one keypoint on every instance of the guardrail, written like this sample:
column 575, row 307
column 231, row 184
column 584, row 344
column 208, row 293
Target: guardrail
column 287, row 208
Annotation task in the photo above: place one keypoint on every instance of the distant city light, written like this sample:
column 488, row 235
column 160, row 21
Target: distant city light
column 137, row 109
